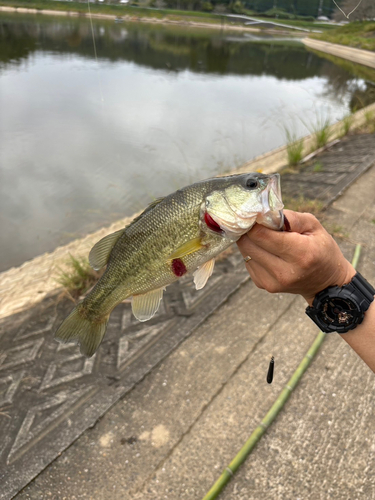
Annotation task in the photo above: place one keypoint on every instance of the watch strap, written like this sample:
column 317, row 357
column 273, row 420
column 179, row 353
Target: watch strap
column 359, row 284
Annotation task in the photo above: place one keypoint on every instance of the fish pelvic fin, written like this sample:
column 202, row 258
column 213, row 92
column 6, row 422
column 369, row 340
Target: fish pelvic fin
column 79, row 330
column 202, row 274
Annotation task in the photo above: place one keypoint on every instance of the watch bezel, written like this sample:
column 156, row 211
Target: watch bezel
column 332, row 294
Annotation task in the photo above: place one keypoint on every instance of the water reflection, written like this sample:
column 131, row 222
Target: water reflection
column 178, row 106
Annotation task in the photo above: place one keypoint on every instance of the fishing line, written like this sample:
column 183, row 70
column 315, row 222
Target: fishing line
column 96, row 56
column 271, row 367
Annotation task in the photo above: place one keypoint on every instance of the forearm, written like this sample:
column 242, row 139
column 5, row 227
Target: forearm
column 362, row 338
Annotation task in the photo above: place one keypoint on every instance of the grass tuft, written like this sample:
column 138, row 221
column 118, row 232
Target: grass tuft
column 321, row 132
column 346, row 124
column 318, row 167
column 79, row 278
column 294, row 147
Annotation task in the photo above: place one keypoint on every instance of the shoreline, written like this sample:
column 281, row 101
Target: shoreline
column 151, row 20
column 24, row 286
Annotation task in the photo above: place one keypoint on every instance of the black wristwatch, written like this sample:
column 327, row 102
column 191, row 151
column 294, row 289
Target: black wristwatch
column 340, row 309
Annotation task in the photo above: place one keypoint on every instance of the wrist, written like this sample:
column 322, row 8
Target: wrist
column 343, row 275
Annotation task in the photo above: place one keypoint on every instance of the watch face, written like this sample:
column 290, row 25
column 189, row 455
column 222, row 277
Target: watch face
column 339, row 312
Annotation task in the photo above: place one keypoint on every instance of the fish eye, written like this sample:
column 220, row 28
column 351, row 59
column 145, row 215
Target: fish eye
column 252, row 183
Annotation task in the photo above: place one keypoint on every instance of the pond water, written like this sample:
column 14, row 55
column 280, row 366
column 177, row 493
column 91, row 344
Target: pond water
column 86, row 141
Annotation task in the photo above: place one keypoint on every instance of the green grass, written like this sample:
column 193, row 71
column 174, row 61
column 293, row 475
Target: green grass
column 360, row 35
column 79, row 278
column 134, row 11
column 320, row 131
column 318, row 167
column 370, row 121
column 302, row 204
column 116, row 10
column 346, row 124
column 310, row 25
column 369, row 116
column 294, row 147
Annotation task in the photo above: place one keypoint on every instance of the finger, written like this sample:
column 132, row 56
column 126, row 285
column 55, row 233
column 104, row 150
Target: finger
column 301, row 222
column 262, row 278
column 282, row 243
column 258, row 254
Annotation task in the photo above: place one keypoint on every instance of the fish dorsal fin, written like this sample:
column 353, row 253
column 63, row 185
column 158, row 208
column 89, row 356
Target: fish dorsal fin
column 202, row 274
column 147, row 209
column 190, row 246
column 145, row 306
column 99, row 254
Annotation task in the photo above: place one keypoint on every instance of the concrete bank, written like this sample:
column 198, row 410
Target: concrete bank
column 173, row 434
column 29, row 284
column 359, row 56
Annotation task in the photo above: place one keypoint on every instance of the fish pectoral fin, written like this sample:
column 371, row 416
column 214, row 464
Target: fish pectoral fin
column 202, row 274
column 190, row 246
column 100, row 252
column 145, row 306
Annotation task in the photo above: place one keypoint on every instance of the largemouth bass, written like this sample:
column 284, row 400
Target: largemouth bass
column 175, row 235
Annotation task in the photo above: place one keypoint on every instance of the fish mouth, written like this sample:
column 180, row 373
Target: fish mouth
column 265, row 208
column 272, row 215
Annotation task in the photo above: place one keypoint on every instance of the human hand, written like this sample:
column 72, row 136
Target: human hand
column 303, row 261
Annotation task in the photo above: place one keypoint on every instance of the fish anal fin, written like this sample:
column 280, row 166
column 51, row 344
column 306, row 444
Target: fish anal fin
column 145, row 306
column 187, row 248
column 100, row 252
column 202, row 274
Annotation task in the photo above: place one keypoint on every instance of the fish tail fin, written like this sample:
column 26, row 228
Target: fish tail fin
column 79, row 330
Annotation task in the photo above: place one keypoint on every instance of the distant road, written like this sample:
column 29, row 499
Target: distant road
column 360, row 56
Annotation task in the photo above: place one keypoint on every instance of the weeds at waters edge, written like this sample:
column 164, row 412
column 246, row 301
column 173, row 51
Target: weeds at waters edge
column 320, row 130
column 294, row 147
column 346, row 124
column 370, row 121
column 79, row 278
